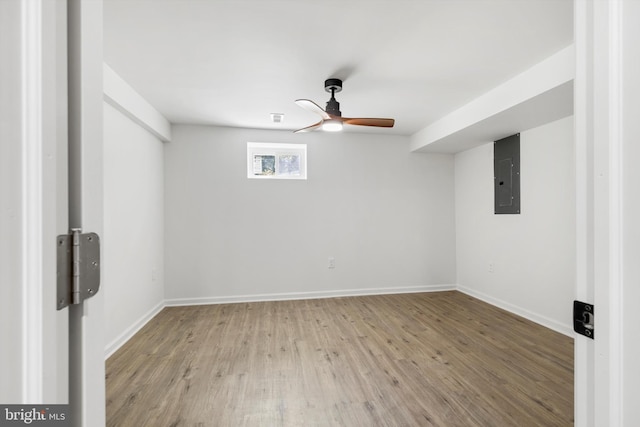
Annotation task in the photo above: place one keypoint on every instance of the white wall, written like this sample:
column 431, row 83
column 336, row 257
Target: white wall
column 133, row 243
column 533, row 254
column 386, row 215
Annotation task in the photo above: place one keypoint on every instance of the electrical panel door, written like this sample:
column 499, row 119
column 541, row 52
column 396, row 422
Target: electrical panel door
column 506, row 175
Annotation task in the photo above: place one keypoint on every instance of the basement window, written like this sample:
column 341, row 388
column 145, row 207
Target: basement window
column 276, row 161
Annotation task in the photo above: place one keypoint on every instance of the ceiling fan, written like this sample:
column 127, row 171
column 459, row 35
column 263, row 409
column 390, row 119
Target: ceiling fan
column 332, row 119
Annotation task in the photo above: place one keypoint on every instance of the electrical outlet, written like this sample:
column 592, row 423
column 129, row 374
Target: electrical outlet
column 491, row 267
column 331, row 263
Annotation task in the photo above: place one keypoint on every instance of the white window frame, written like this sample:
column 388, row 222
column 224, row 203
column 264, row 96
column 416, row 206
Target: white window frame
column 276, row 149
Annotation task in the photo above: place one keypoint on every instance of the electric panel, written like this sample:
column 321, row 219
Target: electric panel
column 506, row 175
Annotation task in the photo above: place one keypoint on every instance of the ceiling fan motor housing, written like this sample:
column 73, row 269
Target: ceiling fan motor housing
column 334, row 86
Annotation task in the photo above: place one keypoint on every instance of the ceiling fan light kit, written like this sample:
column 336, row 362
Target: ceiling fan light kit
column 332, row 120
column 332, row 125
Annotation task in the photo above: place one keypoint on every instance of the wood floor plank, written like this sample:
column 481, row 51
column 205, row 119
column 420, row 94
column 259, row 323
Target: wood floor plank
column 433, row 359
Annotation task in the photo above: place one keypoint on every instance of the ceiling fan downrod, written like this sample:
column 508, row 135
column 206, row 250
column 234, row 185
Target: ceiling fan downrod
column 333, row 106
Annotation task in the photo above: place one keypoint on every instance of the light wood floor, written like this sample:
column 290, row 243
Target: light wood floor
column 433, row 359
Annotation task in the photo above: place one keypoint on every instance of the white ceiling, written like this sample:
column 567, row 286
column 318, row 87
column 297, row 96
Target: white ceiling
column 233, row 62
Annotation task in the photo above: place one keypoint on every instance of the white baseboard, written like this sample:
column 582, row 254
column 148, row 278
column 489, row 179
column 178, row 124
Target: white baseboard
column 114, row 345
column 529, row 315
column 307, row 295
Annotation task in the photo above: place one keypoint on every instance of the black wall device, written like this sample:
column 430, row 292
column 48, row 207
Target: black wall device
column 506, row 175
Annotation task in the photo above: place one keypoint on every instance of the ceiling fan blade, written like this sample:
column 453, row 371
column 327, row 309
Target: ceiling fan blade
column 310, row 128
column 381, row 123
column 313, row 107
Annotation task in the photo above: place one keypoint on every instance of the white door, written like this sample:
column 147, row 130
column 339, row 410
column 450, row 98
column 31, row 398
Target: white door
column 86, row 354
column 607, row 90
column 48, row 356
column 33, row 203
